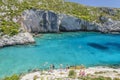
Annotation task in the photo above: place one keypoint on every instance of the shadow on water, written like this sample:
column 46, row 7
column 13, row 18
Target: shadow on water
column 36, row 45
column 113, row 44
column 97, row 46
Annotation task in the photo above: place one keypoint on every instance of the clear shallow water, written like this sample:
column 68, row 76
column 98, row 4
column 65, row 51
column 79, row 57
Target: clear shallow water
column 73, row 48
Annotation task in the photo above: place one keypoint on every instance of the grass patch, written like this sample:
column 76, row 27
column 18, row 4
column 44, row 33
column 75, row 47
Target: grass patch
column 72, row 74
column 116, row 79
column 95, row 78
column 13, row 77
column 101, row 72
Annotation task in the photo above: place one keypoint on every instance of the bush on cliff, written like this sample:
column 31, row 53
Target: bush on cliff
column 9, row 28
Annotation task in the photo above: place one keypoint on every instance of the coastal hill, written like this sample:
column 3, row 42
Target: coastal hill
column 21, row 20
column 36, row 16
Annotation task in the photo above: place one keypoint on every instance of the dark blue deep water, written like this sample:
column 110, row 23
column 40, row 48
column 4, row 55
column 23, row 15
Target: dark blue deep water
column 73, row 48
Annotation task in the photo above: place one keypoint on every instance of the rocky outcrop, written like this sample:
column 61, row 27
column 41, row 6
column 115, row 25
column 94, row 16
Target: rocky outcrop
column 111, row 26
column 109, row 11
column 36, row 21
column 70, row 23
column 40, row 21
column 21, row 38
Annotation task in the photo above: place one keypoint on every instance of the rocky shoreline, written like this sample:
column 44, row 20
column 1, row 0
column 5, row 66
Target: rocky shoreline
column 21, row 38
column 63, row 74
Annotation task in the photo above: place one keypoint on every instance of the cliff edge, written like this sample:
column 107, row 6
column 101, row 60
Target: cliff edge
column 37, row 21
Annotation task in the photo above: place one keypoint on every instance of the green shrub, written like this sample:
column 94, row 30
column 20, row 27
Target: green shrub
column 85, row 78
column 97, row 78
column 72, row 74
column 116, row 79
column 101, row 72
column 13, row 32
column 13, row 77
column 35, row 77
column 9, row 30
column 102, row 78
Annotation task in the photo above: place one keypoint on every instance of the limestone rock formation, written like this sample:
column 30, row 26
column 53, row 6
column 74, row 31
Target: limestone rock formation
column 36, row 21
column 40, row 21
column 70, row 23
column 21, row 38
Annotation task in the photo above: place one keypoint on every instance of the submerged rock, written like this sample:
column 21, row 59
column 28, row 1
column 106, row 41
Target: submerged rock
column 36, row 21
column 21, row 38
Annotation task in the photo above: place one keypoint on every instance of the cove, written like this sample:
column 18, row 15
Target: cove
column 72, row 48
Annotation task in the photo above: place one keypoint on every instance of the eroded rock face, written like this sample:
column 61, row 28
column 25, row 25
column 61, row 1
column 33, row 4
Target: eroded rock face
column 69, row 23
column 40, row 21
column 21, row 38
column 36, row 21
column 112, row 26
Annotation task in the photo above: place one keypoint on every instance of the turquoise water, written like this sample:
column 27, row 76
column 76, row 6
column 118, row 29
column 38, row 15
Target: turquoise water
column 72, row 48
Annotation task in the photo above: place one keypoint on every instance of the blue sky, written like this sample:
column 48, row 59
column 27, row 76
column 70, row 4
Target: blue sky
column 104, row 3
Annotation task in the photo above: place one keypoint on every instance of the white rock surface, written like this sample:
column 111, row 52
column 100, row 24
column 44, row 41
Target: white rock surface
column 47, row 75
column 21, row 38
column 36, row 21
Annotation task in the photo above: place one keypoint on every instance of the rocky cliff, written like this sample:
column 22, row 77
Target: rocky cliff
column 52, row 16
column 36, row 21
column 40, row 21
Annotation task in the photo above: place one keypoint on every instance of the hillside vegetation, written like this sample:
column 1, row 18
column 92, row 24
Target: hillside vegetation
column 10, row 9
